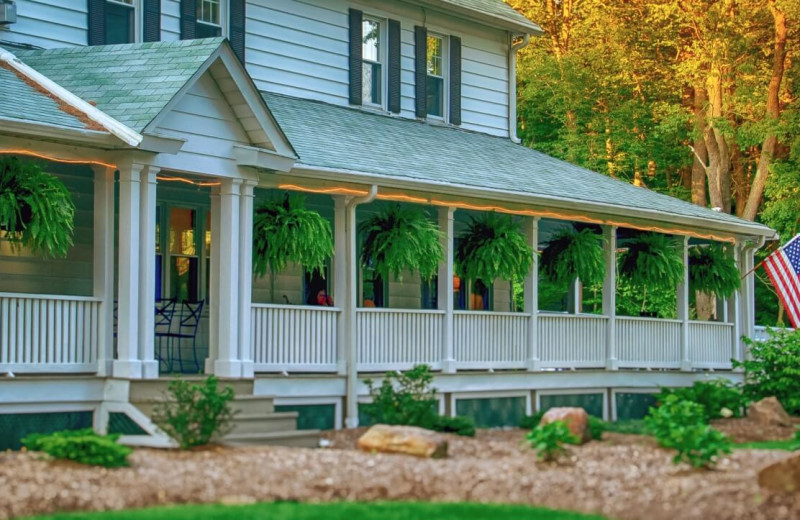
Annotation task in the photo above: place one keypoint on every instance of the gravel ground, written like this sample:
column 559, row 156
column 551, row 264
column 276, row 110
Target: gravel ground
column 624, row 477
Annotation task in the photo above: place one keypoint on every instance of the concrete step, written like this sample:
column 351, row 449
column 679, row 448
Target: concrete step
column 296, row 438
column 141, row 391
column 263, row 423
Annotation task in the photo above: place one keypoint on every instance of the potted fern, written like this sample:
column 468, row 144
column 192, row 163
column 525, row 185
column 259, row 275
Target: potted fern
column 36, row 209
column 401, row 238
column 284, row 231
column 651, row 260
column 493, row 247
column 712, row 270
column 572, row 254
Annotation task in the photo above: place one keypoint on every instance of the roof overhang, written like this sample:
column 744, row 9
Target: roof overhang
column 262, row 158
column 450, row 9
column 22, row 128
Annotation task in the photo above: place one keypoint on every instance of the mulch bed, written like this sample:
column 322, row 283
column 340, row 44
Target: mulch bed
column 744, row 429
column 625, row 477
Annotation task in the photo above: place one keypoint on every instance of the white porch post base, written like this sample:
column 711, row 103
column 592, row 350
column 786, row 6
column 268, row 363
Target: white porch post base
column 612, row 364
column 150, row 369
column 449, row 366
column 351, row 422
column 128, row 368
column 686, row 365
column 248, row 369
column 229, row 368
column 533, row 365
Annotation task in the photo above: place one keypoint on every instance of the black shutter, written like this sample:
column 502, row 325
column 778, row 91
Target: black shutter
column 420, row 71
column 96, row 22
column 455, row 80
column 394, row 66
column 356, row 36
column 237, row 15
column 151, row 20
column 188, row 19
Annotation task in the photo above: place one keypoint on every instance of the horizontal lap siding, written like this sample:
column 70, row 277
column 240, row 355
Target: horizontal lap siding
column 48, row 23
column 300, row 48
column 170, row 20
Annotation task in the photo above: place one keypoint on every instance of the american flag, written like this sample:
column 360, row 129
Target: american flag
column 783, row 268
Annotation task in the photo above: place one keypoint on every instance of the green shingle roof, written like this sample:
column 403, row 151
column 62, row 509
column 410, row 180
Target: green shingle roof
column 343, row 138
column 23, row 102
column 132, row 83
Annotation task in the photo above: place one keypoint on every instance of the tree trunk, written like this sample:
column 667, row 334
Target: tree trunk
column 739, row 180
column 705, row 305
column 719, row 158
column 698, row 179
column 773, row 112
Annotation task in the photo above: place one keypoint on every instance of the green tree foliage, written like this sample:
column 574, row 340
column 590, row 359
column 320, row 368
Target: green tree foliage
column 493, row 247
column 712, row 269
column 572, row 254
column 82, row 446
column 401, row 238
column 773, row 369
column 36, row 209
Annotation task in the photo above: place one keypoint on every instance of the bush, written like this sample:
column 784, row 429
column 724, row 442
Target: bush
column 774, row 369
column 631, row 426
column 548, row 440
column 83, row 446
column 530, row 422
column 682, row 426
column 713, row 395
column 195, row 413
column 596, row 428
column 408, row 399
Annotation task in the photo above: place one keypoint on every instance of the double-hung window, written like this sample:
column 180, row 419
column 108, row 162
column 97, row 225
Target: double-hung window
column 209, row 19
column 435, row 87
column 120, row 21
column 372, row 62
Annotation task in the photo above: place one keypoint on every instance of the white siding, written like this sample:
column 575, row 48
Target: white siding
column 48, row 23
column 300, row 48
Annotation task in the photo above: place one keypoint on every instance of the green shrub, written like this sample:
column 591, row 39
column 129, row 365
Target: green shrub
column 83, row 446
column 774, row 369
column 596, row 428
column 548, row 440
column 713, row 395
column 194, row 414
column 459, row 425
column 530, row 422
column 632, row 427
column 682, row 426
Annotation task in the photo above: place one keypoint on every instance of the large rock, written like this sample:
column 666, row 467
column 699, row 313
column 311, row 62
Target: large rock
column 783, row 476
column 576, row 419
column 769, row 411
column 403, row 439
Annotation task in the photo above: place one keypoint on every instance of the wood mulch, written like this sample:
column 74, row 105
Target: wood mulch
column 625, row 477
column 744, row 429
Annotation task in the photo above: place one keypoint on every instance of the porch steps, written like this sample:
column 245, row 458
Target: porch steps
column 255, row 421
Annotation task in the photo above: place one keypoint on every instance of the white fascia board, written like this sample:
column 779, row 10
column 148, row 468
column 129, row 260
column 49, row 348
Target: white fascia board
column 262, row 158
column 578, row 206
column 161, row 144
column 22, row 128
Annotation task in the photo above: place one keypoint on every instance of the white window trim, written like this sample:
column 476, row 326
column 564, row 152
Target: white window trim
column 383, row 40
column 138, row 17
column 445, row 117
column 223, row 19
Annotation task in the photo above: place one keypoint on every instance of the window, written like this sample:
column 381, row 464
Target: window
column 315, row 288
column 436, row 71
column 430, row 294
column 120, row 21
column 374, row 291
column 372, row 69
column 209, row 19
column 184, row 262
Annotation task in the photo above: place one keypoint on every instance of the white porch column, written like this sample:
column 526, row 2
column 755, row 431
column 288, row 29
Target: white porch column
column 683, row 305
column 574, row 303
column 227, row 362
column 747, row 295
column 610, row 295
column 341, row 292
column 734, row 309
column 147, row 272
column 246, row 278
column 351, row 320
column 531, row 296
column 213, row 290
column 445, row 288
column 103, row 265
column 128, row 365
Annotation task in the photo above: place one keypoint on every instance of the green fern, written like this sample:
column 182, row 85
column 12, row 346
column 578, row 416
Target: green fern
column 572, row 254
column 36, row 209
column 400, row 239
column 713, row 270
column 493, row 247
column 652, row 260
column 285, row 231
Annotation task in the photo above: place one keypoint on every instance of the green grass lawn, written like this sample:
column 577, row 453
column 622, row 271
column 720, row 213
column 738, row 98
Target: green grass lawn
column 333, row 511
column 787, row 445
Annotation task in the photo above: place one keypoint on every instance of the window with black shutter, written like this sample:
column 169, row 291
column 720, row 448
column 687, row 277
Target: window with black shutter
column 210, row 18
column 374, row 61
column 437, row 76
column 112, row 21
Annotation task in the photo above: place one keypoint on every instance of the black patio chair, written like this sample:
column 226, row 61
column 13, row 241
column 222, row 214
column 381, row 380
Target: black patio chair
column 165, row 310
column 189, row 321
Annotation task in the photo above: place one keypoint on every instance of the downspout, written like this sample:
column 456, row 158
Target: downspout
column 512, row 87
column 351, row 334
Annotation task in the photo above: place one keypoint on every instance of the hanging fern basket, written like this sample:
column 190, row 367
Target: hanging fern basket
column 572, row 254
column 36, row 209
column 713, row 270
column 401, row 239
column 652, row 260
column 285, row 231
column 493, row 247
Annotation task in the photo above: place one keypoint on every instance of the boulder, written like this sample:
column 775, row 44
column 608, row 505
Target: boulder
column 576, row 419
column 769, row 411
column 403, row 439
column 782, row 476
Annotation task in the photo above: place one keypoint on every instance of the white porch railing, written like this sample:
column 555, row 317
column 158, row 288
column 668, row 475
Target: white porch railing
column 294, row 338
column 48, row 334
column 648, row 342
column 711, row 344
column 398, row 339
column 761, row 332
column 572, row 341
column 483, row 340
